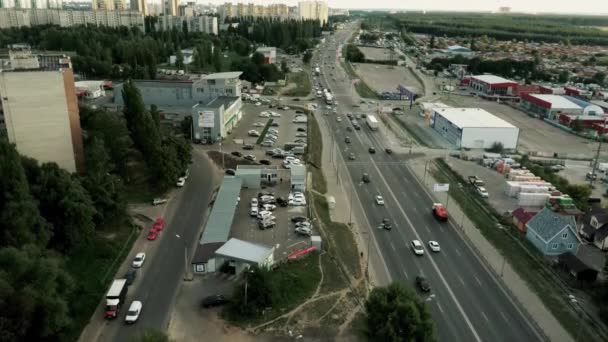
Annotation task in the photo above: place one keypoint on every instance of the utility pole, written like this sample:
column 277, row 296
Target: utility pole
column 597, row 155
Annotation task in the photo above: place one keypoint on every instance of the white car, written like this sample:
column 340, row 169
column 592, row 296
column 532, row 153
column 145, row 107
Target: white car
column 339, row 119
column 254, row 202
column 434, row 246
column 258, row 104
column 264, row 213
column 259, row 124
column 482, row 192
column 301, row 135
column 293, row 195
column 139, row 259
column 275, row 115
column 253, row 133
column 417, row 247
column 335, row 111
column 254, row 211
column 303, row 231
column 328, row 107
column 181, row 182
column 303, row 224
column 379, row 200
column 269, row 207
column 264, row 115
column 297, row 202
column 133, row 313
column 267, row 143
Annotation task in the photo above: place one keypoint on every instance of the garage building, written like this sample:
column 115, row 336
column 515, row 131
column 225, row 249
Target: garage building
column 473, row 128
column 493, row 85
column 549, row 106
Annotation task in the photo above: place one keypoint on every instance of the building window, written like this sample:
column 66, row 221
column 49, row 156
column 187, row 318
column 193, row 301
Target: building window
column 554, row 246
column 570, row 245
column 565, row 235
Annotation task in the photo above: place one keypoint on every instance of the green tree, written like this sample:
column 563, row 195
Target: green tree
column 472, row 45
column 258, row 59
column 186, row 127
column 307, row 57
column 284, row 67
column 497, row 147
column 577, row 125
column 217, row 59
column 432, row 42
column 179, row 58
column 599, row 78
column 564, row 76
column 155, row 114
column 394, row 313
column 19, row 214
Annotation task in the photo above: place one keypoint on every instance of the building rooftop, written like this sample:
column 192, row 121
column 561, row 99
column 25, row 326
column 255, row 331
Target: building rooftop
column 492, row 79
column 472, row 117
column 222, row 75
column 220, row 220
column 557, row 101
column 244, row 251
column 218, row 102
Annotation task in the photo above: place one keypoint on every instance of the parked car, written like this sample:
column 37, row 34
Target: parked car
column 248, row 147
column 269, row 207
column 282, row 202
column 266, row 224
column 388, row 151
column 347, row 140
column 297, row 202
column 267, row 143
column 253, row 133
column 301, row 129
column 351, row 156
column 265, row 162
column 250, row 157
column 423, row 284
column 214, row 300
column 299, row 219
column 237, row 154
column 230, row 172
column 133, row 312
column 303, row 231
column 254, row 211
column 139, row 259
column 274, row 124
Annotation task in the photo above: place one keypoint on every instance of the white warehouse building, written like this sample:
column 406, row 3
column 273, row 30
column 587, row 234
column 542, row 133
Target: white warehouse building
column 473, row 128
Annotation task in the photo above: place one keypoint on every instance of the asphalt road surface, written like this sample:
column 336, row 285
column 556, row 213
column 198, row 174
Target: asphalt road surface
column 469, row 302
column 159, row 278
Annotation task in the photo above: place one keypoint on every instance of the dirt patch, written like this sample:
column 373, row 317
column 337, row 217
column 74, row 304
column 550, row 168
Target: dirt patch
column 229, row 161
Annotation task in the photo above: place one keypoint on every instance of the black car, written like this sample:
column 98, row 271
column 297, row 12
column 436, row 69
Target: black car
column 349, row 129
column 386, row 224
column 365, row 178
column 299, row 219
column 282, row 202
column 248, row 147
column 214, row 300
column 237, row 154
column 130, row 276
column 371, row 150
column 299, row 112
column 423, row 284
column 301, row 129
column 265, row 162
column 230, row 172
column 388, row 151
column 274, row 124
column 347, row 140
column 358, row 128
column 265, row 193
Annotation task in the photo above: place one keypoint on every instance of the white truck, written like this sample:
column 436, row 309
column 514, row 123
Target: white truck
column 372, row 122
column 115, row 298
column 329, row 99
column 317, row 71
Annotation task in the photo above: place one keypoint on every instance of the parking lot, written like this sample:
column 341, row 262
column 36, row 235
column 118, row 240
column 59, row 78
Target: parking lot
column 282, row 236
column 287, row 131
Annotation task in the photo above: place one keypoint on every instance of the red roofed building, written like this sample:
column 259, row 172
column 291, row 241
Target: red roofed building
column 573, row 91
column 520, row 217
column 493, row 85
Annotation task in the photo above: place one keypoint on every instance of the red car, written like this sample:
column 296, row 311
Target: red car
column 152, row 235
column 440, row 212
column 159, row 224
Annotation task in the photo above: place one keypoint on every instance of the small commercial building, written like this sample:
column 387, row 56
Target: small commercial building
column 216, row 118
column 549, row 106
column 493, row 85
column 256, row 176
column 269, row 53
column 298, row 178
column 473, row 128
column 238, row 255
column 425, row 108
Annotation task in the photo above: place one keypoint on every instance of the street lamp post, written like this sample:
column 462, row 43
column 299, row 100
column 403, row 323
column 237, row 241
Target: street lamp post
column 186, row 268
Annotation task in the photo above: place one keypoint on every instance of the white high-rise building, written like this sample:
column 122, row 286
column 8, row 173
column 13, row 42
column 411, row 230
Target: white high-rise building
column 314, row 10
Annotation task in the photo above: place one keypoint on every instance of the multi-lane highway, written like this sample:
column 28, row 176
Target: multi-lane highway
column 469, row 303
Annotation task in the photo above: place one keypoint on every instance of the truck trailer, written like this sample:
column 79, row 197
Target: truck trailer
column 372, row 122
column 329, row 98
column 115, row 298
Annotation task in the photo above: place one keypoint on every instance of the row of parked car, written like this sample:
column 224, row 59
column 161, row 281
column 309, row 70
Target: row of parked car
column 302, row 225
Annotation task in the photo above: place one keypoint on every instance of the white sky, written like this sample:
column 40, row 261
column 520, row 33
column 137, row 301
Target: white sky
column 553, row 6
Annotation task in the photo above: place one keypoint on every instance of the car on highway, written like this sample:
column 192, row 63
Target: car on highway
column 350, row 129
column 237, row 154
column 379, row 200
column 133, row 312
column 423, row 284
column 339, row 119
column 130, row 276
column 386, row 224
column 371, row 150
column 440, row 212
column 139, row 259
column 347, row 140
column 181, row 182
column 434, row 246
column 482, row 192
column 213, row 300
column 365, row 178
column 303, row 231
column 388, row 151
column 417, row 247
column 351, row 156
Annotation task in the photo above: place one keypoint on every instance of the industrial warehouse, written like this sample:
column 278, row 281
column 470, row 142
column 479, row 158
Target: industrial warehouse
column 473, row 128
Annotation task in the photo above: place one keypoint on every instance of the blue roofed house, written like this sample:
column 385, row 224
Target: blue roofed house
column 553, row 233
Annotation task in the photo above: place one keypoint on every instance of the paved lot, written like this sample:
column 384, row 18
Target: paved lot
column 377, row 54
column 282, row 236
column 535, row 135
column 386, row 77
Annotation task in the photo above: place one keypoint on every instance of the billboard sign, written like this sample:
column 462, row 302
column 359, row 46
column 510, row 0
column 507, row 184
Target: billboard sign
column 439, row 187
column 206, row 119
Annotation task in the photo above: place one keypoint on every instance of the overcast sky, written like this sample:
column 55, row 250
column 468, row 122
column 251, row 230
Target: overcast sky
column 553, row 6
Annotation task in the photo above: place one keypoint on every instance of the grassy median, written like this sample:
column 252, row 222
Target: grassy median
column 264, row 131
column 522, row 256
column 314, row 155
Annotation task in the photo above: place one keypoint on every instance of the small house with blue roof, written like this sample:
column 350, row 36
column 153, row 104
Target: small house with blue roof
column 553, row 233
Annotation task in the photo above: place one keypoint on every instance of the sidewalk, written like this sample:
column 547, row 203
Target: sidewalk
column 514, row 283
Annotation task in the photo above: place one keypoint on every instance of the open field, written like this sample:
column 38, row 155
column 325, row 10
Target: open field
column 377, row 54
column 386, row 77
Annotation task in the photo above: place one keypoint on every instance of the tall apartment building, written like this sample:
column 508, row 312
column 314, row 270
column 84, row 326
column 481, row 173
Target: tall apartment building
column 140, row 6
column 314, row 10
column 31, row 17
column 230, row 10
column 39, row 110
column 195, row 24
column 170, row 7
column 120, row 5
column 186, row 10
column 103, row 5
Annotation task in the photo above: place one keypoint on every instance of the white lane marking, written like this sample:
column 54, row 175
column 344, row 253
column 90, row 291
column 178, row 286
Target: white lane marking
column 485, row 317
column 416, row 210
column 405, row 274
column 439, row 306
column 461, row 280
column 445, row 283
column 478, row 281
column 393, row 246
column 503, row 315
column 428, row 229
column 457, row 251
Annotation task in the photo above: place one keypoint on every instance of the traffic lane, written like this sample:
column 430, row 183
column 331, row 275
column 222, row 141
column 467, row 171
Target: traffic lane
column 164, row 270
column 405, row 266
column 471, row 280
